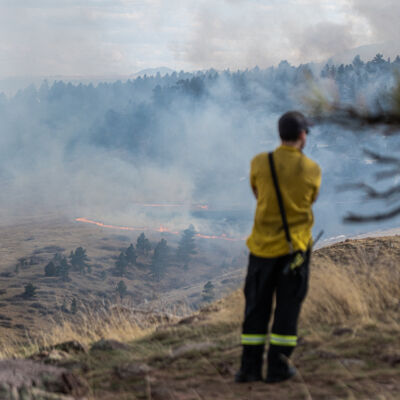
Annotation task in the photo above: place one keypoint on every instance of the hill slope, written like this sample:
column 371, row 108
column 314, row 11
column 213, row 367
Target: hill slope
column 349, row 341
column 27, row 247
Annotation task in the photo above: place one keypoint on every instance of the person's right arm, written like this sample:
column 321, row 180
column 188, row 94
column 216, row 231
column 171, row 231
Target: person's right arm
column 317, row 184
column 253, row 179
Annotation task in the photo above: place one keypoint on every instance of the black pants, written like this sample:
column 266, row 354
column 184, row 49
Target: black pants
column 268, row 278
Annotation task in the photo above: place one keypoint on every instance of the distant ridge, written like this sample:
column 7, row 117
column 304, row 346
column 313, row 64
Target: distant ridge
column 10, row 85
column 367, row 52
column 152, row 71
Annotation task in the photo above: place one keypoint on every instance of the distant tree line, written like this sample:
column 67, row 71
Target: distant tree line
column 133, row 110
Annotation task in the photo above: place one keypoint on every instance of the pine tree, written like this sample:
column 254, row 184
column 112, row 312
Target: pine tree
column 50, row 269
column 143, row 245
column 122, row 289
column 187, row 246
column 159, row 261
column 378, row 59
column 78, row 259
column 130, row 255
column 121, row 265
column 30, row 291
column 208, row 292
column 357, row 62
column 63, row 269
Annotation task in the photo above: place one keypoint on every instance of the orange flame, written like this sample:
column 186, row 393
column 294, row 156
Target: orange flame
column 161, row 229
column 124, row 228
column 164, row 229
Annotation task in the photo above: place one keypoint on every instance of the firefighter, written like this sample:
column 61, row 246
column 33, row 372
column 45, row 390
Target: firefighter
column 279, row 252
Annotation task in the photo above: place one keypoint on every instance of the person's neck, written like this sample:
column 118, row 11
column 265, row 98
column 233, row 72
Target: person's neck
column 298, row 144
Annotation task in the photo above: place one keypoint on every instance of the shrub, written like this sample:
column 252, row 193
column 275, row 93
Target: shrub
column 30, row 291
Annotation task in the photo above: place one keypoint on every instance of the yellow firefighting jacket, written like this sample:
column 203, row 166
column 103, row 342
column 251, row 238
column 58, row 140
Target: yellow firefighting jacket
column 299, row 181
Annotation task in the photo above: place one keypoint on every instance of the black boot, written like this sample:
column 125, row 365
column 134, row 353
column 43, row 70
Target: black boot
column 252, row 360
column 279, row 368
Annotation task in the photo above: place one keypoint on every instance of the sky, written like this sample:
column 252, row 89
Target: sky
column 121, row 37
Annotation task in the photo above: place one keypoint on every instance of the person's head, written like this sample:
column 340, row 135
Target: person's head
column 293, row 128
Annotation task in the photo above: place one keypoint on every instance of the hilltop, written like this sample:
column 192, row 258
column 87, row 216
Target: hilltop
column 348, row 347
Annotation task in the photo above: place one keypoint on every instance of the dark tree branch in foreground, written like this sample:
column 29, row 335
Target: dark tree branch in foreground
column 391, row 160
column 372, row 218
column 333, row 112
column 392, row 194
column 388, row 119
column 372, row 193
column 356, row 119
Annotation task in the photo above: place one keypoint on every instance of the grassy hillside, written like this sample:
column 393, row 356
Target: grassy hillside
column 348, row 348
column 28, row 246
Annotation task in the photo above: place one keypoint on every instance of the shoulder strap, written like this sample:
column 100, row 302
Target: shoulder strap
column 280, row 201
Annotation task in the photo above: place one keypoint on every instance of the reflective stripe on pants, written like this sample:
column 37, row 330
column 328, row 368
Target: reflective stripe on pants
column 283, row 340
column 253, row 339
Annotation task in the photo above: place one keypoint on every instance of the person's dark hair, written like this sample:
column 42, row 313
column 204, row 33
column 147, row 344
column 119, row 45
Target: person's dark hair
column 291, row 124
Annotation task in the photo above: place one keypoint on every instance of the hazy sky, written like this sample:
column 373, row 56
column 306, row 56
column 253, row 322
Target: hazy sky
column 103, row 37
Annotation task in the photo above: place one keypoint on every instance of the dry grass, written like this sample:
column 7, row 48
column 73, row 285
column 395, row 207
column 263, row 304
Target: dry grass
column 88, row 326
column 362, row 287
column 365, row 292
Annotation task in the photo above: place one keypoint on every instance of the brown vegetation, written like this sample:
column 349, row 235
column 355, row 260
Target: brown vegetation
column 26, row 249
column 348, row 347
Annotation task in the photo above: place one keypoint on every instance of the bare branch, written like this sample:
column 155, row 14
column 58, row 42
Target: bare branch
column 382, row 159
column 357, row 218
column 371, row 192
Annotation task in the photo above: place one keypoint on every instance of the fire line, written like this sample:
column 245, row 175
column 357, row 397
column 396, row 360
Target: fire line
column 160, row 229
